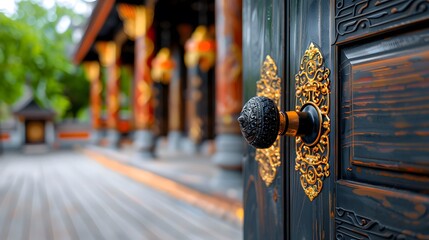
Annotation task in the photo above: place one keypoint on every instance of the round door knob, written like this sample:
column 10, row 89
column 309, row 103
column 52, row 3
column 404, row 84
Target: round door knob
column 261, row 122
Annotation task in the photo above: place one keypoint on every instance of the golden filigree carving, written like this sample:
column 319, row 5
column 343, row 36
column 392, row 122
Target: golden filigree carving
column 269, row 86
column 312, row 87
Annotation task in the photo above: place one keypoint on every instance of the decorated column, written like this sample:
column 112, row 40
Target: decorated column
column 229, row 145
column 200, row 60
column 137, row 25
column 109, row 60
column 176, row 103
column 92, row 70
column 162, row 69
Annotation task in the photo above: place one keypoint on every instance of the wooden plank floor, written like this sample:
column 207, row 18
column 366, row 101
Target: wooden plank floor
column 65, row 195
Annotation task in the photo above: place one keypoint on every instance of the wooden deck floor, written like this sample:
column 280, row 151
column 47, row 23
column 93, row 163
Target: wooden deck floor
column 65, row 195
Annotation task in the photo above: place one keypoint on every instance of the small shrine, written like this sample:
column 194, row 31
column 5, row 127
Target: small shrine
column 37, row 123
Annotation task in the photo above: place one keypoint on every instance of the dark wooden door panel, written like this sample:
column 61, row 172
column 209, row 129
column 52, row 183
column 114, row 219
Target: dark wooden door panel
column 385, row 111
column 309, row 22
column 263, row 34
column 383, row 157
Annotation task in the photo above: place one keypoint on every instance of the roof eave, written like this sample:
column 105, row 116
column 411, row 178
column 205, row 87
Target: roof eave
column 97, row 19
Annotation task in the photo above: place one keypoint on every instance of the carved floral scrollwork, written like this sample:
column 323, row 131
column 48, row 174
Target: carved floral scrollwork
column 312, row 88
column 269, row 86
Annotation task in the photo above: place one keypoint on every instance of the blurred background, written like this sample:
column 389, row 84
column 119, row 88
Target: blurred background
column 117, row 119
column 37, row 42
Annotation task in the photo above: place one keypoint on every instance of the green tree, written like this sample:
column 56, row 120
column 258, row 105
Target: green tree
column 33, row 52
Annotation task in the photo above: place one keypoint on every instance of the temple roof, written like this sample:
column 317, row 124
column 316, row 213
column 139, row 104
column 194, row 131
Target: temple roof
column 99, row 15
column 105, row 24
column 30, row 109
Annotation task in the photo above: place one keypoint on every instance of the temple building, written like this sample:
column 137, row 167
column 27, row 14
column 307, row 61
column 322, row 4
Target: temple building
column 186, row 89
column 32, row 128
column 36, row 123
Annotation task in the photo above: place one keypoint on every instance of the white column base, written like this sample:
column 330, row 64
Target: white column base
column 144, row 142
column 174, row 141
column 96, row 136
column 113, row 137
column 189, row 146
column 229, row 151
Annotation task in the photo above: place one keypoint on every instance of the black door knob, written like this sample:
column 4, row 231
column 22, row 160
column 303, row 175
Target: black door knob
column 261, row 122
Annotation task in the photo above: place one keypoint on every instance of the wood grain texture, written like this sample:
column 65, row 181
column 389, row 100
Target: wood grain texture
column 384, row 133
column 310, row 22
column 370, row 212
column 384, row 113
column 263, row 34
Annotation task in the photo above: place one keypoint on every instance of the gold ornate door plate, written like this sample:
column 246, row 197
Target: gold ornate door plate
column 262, row 121
column 269, row 86
column 313, row 88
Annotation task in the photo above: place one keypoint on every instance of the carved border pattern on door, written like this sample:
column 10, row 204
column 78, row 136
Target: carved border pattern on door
column 365, row 15
column 350, row 225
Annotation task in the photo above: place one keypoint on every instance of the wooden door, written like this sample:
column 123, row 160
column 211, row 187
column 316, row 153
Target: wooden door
column 376, row 182
column 34, row 131
column 263, row 35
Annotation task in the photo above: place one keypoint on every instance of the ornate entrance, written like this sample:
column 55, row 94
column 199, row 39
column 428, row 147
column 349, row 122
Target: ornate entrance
column 353, row 96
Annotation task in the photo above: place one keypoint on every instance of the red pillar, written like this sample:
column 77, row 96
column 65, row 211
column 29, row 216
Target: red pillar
column 229, row 90
column 109, row 59
column 92, row 70
column 143, row 103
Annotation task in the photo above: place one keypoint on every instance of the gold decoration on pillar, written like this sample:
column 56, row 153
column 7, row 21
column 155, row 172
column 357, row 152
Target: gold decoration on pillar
column 146, row 92
column 163, row 66
column 137, row 19
column 269, row 86
column 107, row 52
column 92, row 70
column 201, row 49
column 312, row 87
column 195, row 131
column 113, row 97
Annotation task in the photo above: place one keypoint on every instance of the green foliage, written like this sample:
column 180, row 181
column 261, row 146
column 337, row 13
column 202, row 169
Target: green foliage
column 76, row 89
column 83, row 115
column 33, row 52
